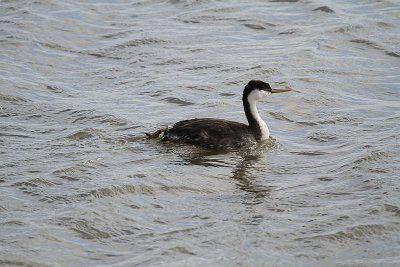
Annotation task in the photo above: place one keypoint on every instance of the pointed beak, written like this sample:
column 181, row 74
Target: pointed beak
column 280, row 90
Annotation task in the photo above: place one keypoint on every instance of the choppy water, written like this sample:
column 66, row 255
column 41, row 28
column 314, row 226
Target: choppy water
column 82, row 81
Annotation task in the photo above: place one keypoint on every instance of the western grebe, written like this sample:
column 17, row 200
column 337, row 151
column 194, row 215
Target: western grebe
column 218, row 133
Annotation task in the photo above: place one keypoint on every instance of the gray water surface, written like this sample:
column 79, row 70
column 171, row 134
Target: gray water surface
column 81, row 82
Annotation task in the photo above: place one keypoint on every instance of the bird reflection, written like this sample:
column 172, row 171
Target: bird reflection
column 243, row 164
column 243, row 174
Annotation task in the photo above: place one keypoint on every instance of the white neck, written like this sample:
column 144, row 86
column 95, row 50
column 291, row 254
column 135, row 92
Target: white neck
column 253, row 98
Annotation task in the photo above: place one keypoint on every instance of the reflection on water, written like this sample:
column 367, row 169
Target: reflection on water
column 82, row 82
column 242, row 162
column 242, row 174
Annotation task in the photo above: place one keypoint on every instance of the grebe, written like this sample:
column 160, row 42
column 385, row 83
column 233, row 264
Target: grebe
column 218, row 133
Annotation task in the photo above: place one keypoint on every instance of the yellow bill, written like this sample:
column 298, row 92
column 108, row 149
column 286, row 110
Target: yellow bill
column 280, row 90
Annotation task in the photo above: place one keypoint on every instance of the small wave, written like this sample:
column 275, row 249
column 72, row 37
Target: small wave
column 113, row 52
column 374, row 45
column 169, row 62
column 34, row 183
column 118, row 190
column 227, row 94
column 347, row 28
column 392, row 54
column 155, row 93
column 191, row 21
column 81, row 135
column 11, row 98
column 322, row 137
column 180, row 250
column 129, row 138
column 307, row 123
column 179, row 188
column 26, row 263
column 117, row 34
column 104, row 192
column 100, row 53
column 56, row 46
column 361, row 232
column 11, row 22
column 373, row 162
column 254, row 26
column 372, row 156
column 392, row 209
column 86, row 116
column 14, row 135
column 309, row 153
column 72, row 173
column 177, row 101
column 292, row 31
column 96, row 226
column 34, row 186
column 13, row 222
column 384, row 24
column 325, row 9
column 55, row 89
column 280, row 116
column 371, row 185
column 12, row 41
column 204, row 67
column 366, row 42
column 285, row 1
column 325, row 179
column 85, row 229
column 335, row 120
column 55, row 199
column 139, row 42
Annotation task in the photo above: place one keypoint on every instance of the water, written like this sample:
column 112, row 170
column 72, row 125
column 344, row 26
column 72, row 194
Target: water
column 82, row 81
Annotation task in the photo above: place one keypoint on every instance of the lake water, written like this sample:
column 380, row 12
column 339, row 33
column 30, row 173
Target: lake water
column 81, row 82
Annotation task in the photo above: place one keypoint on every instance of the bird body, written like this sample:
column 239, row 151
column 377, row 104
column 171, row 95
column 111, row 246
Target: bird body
column 211, row 133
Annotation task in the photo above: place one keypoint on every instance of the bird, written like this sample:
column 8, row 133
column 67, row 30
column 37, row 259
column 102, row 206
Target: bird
column 219, row 133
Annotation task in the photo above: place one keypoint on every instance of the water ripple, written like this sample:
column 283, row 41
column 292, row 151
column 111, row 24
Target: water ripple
column 82, row 81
